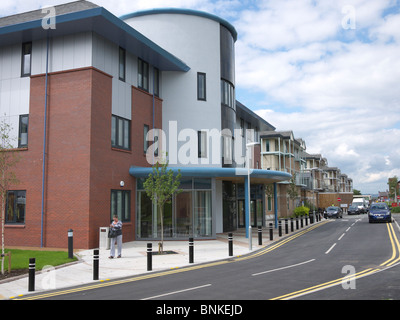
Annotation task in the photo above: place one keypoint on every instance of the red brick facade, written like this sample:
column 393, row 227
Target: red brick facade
column 81, row 166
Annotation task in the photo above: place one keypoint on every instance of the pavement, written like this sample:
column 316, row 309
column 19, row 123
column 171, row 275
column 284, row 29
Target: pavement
column 134, row 261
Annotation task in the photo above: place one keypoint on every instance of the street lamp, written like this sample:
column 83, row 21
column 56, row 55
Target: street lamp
column 248, row 145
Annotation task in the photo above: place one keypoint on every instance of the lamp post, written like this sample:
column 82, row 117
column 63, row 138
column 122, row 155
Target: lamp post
column 248, row 145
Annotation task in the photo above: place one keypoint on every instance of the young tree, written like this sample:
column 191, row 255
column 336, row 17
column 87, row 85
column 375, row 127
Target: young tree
column 160, row 186
column 292, row 189
column 8, row 159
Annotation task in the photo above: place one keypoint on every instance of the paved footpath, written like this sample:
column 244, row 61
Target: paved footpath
column 134, row 262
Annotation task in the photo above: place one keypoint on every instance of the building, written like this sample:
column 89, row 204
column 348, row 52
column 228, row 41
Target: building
column 94, row 100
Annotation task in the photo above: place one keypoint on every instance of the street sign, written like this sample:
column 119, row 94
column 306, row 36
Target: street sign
column 339, row 199
column 394, row 204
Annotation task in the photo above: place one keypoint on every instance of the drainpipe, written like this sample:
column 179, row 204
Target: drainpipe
column 44, row 141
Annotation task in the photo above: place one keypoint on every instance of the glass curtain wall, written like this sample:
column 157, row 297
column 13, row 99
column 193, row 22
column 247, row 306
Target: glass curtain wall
column 189, row 213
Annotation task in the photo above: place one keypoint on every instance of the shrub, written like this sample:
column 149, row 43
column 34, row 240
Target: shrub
column 395, row 209
column 301, row 211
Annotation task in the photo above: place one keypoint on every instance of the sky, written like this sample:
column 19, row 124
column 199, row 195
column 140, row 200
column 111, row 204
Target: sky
column 327, row 70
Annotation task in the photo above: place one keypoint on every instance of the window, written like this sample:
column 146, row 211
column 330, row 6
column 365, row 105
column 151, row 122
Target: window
column 15, row 207
column 26, row 59
column 23, row 131
column 156, row 88
column 120, row 133
column 145, row 141
column 241, row 127
column 201, row 86
column 202, row 144
column 121, row 205
column 227, row 94
column 122, row 64
column 143, row 75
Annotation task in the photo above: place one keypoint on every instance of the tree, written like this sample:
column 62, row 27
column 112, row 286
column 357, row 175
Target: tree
column 292, row 190
column 160, row 186
column 8, row 159
column 393, row 187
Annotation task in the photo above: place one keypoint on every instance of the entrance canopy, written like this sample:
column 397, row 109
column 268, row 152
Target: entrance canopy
column 233, row 174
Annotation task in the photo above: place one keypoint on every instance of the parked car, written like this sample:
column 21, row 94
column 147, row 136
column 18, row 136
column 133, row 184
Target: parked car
column 379, row 212
column 353, row 209
column 334, row 212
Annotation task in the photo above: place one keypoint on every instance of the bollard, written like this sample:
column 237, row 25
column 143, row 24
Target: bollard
column 96, row 258
column 306, row 220
column 149, row 257
column 32, row 267
column 297, row 223
column 259, row 236
column 280, row 228
column 191, row 253
column 286, row 226
column 271, row 232
column 312, row 218
column 301, row 221
column 70, row 244
column 230, row 244
column 291, row 225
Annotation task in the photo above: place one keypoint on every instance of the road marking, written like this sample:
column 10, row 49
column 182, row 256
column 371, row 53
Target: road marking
column 168, row 272
column 387, row 264
column 348, row 229
column 341, row 236
column 329, row 250
column 287, row 267
column 175, row 292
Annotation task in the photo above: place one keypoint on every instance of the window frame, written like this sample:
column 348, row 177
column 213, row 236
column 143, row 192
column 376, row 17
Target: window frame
column 120, row 133
column 21, row 125
column 201, row 141
column 124, row 216
column 16, row 194
column 23, row 60
column 201, row 86
column 122, row 63
column 143, row 75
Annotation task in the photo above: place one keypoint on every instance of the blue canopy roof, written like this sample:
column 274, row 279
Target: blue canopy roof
column 266, row 176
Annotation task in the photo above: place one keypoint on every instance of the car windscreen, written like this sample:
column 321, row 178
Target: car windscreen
column 379, row 207
column 332, row 209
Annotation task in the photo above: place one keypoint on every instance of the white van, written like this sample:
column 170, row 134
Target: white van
column 361, row 203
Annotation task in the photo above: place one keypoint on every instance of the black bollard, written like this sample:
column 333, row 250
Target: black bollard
column 301, row 221
column 230, row 244
column 271, row 232
column 297, row 223
column 291, row 225
column 312, row 218
column 96, row 258
column 259, row 236
column 32, row 267
column 306, row 220
column 191, row 251
column 286, row 226
column 70, row 244
column 149, row 257
column 280, row 228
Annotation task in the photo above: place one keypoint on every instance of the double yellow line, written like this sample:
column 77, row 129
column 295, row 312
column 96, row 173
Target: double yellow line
column 394, row 259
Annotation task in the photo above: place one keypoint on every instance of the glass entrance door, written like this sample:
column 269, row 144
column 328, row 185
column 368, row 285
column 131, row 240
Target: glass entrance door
column 253, row 214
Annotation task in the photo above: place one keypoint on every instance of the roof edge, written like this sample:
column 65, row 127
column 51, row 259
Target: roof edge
column 192, row 12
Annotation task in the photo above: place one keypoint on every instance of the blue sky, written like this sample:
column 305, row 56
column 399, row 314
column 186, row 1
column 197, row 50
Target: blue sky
column 327, row 70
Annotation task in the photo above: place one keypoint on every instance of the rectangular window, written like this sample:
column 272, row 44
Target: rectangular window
column 145, row 142
column 122, row 64
column 26, row 59
column 15, row 207
column 143, row 75
column 120, row 133
column 121, row 205
column 227, row 94
column 202, row 144
column 156, row 89
column 23, row 131
column 201, row 86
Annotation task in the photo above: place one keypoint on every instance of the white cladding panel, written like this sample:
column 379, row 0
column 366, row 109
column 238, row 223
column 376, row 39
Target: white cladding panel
column 196, row 41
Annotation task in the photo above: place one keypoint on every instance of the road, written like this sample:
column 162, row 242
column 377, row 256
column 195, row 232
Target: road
column 311, row 264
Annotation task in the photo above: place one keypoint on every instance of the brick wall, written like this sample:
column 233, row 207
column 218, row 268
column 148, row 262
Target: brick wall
column 81, row 166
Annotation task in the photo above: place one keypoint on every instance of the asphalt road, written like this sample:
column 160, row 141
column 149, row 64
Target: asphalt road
column 310, row 264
